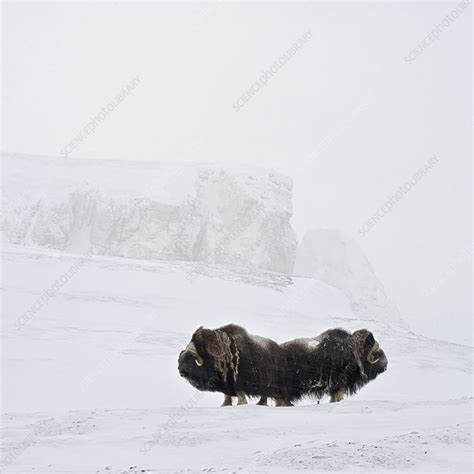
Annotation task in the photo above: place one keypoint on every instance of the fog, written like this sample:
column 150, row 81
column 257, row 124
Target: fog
column 351, row 116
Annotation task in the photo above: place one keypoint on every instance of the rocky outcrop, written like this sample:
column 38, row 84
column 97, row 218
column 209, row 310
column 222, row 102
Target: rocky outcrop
column 336, row 259
column 235, row 216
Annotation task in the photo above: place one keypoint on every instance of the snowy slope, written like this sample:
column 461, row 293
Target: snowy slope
column 237, row 215
column 331, row 256
column 90, row 379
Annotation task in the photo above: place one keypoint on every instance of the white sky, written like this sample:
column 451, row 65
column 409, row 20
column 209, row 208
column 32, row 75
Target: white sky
column 63, row 62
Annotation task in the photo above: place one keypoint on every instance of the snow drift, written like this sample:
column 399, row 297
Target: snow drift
column 336, row 259
column 236, row 216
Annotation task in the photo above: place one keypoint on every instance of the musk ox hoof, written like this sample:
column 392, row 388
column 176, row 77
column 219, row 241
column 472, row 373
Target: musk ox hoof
column 283, row 403
column 337, row 396
column 262, row 402
column 242, row 400
column 227, row 401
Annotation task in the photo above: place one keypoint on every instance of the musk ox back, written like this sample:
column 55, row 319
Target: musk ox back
column 232, row 361
column 335, row 363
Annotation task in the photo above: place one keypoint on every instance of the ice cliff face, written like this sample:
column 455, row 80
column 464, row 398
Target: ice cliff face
column 236, row 216
column 336, row 259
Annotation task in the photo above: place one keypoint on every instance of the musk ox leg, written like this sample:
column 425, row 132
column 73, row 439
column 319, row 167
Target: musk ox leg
column 281, row 402
column 227, row 401
column 242, row 400
column 337, row 396
column 263, row 402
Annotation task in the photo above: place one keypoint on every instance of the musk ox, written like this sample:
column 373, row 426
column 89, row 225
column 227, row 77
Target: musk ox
column 232, row 361
column 335, row 363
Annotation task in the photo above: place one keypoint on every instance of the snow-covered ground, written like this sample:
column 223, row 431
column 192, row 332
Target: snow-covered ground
column 90, row 381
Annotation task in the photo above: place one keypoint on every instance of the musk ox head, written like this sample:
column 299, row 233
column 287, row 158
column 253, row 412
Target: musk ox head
column 371, row 354
column 209, row 361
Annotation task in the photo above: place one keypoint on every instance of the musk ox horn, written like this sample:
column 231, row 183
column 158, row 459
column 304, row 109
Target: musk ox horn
column 370, row 355
column 192, row 349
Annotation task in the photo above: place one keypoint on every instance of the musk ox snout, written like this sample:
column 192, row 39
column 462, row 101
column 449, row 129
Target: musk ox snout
column 189, row 363
column 381, row 361
column 182, row 369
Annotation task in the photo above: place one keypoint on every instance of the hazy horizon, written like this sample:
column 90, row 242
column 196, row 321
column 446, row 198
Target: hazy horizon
column 347, row 117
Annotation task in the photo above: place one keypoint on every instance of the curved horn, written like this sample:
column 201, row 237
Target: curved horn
column 192, row 349
column 370, row 357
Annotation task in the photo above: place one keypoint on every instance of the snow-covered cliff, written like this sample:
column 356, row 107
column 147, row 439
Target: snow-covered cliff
column 236, row 216
column 336, row 259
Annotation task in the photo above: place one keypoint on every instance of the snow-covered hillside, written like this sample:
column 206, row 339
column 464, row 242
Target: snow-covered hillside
column 236, row 216
column 336, row 259
column 90, row 381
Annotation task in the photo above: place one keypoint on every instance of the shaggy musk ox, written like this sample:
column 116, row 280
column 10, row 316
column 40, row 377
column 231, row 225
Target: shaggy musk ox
column 335, row 363
column 232, row 361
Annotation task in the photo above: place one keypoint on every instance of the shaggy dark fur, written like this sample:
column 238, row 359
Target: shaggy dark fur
column 335, row 363
column 232, row 361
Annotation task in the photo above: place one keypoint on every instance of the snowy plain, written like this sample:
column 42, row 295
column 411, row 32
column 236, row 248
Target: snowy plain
column 90, row 381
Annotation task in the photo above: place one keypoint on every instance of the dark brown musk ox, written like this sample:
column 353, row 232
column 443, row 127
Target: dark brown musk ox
column 335, row 363
column 232, row 361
